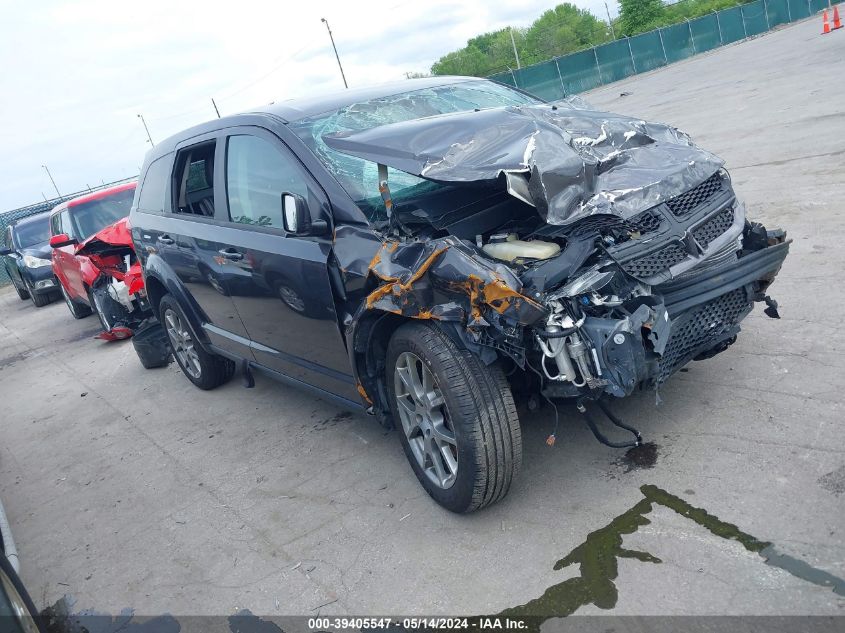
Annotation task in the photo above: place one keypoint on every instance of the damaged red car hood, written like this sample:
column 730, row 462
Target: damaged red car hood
column 117, row 234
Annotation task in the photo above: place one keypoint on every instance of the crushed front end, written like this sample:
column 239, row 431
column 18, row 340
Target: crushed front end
column 592, row 253
column 667, row 287
column 117, row 290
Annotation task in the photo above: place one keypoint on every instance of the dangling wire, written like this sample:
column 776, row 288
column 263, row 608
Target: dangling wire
column 553, row 437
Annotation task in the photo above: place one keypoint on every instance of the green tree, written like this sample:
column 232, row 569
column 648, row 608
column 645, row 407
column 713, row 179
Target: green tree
column 561, row 30
column 637, row 16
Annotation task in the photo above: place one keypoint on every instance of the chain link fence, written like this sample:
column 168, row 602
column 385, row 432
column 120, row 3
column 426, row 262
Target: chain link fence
column 9, row 217
column 584, row 70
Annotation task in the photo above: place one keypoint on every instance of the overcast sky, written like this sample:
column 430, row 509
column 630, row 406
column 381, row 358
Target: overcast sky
column 76, row 73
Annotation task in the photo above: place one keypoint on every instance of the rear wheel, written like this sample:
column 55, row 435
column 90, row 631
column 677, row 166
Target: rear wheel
column 77, row 310
column 202, row 368
column 456, row 419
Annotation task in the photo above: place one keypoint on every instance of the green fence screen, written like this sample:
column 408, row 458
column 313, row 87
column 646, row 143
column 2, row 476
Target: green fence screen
column 593, row 67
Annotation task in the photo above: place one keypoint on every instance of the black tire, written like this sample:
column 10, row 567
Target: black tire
column 209, row 370
column 98, row 310
column 109, row 312
column 77, row 310
column 23, row 294
column 479, row 411
column 39, row 300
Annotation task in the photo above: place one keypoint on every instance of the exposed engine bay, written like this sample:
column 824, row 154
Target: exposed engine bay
column 598, row 254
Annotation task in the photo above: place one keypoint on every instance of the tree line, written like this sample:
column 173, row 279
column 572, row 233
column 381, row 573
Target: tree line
column 566, row 29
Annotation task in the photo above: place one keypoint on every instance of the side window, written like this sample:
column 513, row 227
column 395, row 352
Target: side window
column 257, row 174
column 151, row 196
column 64, row 223
column 193, row 180
column 7, row 238
column 55, row 224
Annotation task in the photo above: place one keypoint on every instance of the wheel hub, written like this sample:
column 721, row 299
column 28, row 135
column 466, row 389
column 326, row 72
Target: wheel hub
column 183, row 343
column 425, row 420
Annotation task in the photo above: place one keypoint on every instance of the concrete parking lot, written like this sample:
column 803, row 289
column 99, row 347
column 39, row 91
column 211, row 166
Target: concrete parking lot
column 131, row 488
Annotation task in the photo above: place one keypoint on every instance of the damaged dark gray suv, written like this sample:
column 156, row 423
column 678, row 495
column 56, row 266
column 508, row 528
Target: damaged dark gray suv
column 430, row 249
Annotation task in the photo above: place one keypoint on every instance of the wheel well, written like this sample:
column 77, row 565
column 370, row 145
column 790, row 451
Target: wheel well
column 372, row 334
column 155, row 291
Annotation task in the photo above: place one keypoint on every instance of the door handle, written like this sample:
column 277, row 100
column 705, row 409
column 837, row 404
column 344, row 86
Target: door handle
column 166, row 240
column 231, row 254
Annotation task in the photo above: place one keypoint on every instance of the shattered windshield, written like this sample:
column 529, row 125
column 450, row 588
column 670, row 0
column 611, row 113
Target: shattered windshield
column 359, row 177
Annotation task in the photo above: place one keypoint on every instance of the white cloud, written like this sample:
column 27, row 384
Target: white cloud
column 77, row 73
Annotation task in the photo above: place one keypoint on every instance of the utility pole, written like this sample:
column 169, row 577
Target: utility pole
column 215, row 107
column 515, row 54
column 345, row 85
column 149, row 138
column 609, row 21
column 51, row 180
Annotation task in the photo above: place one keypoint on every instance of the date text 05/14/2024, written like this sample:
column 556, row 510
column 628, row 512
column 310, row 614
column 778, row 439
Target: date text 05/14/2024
column 419, row 623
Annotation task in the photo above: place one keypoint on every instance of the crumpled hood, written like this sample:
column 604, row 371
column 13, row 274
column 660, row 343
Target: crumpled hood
column 569, row 163
column 117, row 234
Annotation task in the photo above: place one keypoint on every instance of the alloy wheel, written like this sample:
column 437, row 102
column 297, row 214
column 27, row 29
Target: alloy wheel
column 98, row 306
column 183, row 343
column 425, row 420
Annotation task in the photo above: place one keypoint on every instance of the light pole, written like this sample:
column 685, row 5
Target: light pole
column 149, row 138
column 345, row 85
column 609, row 21
column 515, row 54
column 51, row 180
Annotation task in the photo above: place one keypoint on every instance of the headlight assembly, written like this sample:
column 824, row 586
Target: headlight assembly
column 35, row 262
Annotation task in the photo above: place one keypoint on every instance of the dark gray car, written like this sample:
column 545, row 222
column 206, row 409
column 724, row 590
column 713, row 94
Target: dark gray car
column 26, row 255
column 431, row 249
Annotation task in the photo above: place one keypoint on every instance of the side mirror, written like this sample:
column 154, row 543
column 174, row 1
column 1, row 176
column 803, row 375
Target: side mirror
column 6, row 251
column 296, row 216
column 62, row 239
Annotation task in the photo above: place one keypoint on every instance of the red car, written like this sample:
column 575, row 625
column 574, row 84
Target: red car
column 94, row 261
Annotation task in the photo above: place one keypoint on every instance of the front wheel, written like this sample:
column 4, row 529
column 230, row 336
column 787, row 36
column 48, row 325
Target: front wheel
column 77, row 311
column 38, row 300
column 456, row 418
column 23, row 294
column 202, row 368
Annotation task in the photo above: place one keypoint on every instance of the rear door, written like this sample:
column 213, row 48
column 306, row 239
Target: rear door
column 187, row 237
column 282, row 293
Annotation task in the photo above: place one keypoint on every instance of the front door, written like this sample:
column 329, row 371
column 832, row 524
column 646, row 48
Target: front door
column 279, row 282
column 66, row 264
